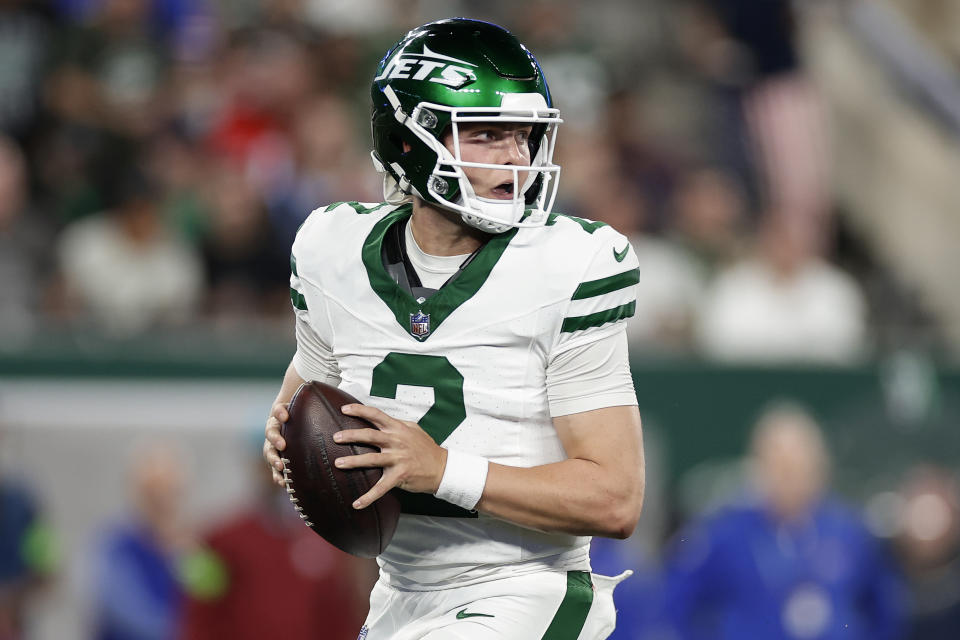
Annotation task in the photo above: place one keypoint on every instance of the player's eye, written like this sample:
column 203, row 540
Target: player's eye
column 484, row 135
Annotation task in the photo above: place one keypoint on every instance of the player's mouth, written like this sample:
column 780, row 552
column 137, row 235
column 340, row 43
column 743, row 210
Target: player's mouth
column 503, row 191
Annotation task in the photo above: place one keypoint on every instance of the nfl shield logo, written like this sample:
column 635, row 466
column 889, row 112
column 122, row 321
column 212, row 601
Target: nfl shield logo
column 420, row 324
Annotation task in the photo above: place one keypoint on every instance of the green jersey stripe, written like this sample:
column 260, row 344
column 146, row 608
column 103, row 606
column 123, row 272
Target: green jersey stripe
column 356, row 206
column 578, row 323
column 588, row 225
column 298, row 300
column 601, row 286
column 570, row 617
column 293, row 265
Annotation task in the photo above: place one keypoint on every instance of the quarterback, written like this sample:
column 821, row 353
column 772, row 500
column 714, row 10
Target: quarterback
column 485, row 337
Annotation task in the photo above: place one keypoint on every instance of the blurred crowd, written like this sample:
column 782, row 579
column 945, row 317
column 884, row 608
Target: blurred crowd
column 777, row 555
column 158, row 156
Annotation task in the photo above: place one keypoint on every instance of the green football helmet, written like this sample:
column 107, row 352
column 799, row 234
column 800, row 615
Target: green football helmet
column 458, row 71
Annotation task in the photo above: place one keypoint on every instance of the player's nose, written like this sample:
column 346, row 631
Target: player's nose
column 516, row 151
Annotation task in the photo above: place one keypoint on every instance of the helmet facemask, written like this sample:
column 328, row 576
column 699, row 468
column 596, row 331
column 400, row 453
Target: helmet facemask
column 448, row 184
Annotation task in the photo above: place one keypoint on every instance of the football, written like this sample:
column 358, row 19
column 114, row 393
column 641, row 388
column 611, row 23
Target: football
column 324, row 494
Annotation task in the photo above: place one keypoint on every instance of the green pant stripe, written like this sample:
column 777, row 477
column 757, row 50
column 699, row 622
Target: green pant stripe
column 572, row 613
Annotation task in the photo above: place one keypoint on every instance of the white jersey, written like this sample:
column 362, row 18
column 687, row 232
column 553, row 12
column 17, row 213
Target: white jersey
column 468, row 364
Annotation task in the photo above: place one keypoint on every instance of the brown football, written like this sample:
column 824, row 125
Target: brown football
column 324, row 494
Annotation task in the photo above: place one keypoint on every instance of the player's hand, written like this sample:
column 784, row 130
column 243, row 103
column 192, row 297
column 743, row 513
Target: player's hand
column 410, row 459
column 273, row 443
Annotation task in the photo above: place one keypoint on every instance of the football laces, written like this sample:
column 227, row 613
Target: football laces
column 291, row 492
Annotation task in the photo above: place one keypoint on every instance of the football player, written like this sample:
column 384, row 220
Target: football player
column 484, row 336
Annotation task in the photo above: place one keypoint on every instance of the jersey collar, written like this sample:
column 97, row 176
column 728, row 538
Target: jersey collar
column 421, row 321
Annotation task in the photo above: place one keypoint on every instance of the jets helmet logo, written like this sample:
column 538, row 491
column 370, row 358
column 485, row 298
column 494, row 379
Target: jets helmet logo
column 431, row 67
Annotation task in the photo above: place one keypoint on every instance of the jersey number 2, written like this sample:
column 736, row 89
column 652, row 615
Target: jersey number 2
column 446, row 414
column 417, row 370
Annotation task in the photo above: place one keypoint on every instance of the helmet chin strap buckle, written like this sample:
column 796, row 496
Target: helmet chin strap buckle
column 427, row 119
column 439, row 185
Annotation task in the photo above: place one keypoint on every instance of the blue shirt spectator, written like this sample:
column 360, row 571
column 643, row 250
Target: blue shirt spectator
column 17, row 516
column 742, row 574
column 138, row 594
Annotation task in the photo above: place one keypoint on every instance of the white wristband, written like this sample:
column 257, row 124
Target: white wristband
column 463, row 479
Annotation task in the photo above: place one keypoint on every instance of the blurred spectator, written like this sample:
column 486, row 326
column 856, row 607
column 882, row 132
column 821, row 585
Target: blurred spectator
column 329, row 165
column 25, row 38
column 748, row 49
column 266, row 76
column 653, row 168
column 179, row 170
column 784, row 303
column 111, row 71
column 575, row 72
column 244, row 259
column 28, row 555
column 787, row 561
column 24, row 243
column 929, row 550
column 708, row 216
column 136, row 591
column 703, row 235
column 124, row 267
column 263, row 574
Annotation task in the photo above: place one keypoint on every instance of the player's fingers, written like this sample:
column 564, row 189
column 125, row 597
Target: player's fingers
column 362, row 460
column 364, row 436
column 374, row 415
column 277, row 477
column 377, row 491
column 272, row 457
column 273, row 434
column 280, row 412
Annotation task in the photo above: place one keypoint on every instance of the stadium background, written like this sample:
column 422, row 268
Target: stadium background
column 156, row 158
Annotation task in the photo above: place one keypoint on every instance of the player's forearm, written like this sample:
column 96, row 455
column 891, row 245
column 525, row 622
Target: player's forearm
column 291, row 382
column 575, row 496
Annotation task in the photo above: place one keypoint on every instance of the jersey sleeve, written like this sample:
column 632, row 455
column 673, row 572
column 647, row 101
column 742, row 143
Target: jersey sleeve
column 605, row 295
column 592, row 376
column 314, row 360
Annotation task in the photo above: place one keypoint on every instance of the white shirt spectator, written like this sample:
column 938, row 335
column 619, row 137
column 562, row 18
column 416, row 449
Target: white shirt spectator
column 752, row 313
column 128, row 286
column 668, row 293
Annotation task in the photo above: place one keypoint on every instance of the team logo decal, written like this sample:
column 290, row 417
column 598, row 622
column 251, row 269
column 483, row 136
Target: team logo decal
column 431, row 67
column 420, row 324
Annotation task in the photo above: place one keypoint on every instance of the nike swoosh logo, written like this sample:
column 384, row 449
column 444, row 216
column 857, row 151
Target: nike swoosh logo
column 463, row 614
column 620, row 255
